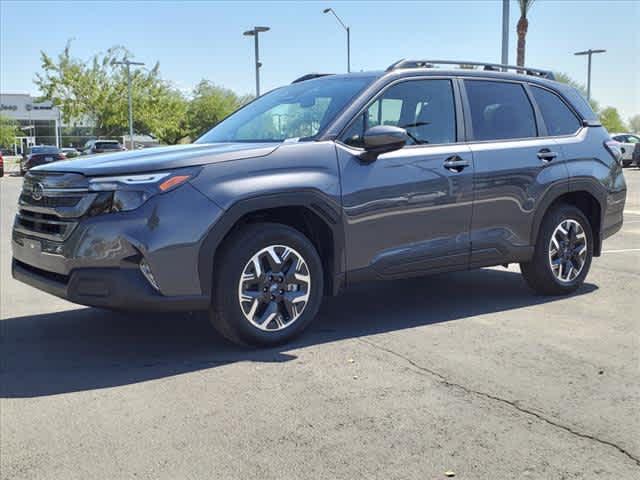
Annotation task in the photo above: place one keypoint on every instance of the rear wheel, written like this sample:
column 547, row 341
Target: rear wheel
column 268, row 285
column 563, row 252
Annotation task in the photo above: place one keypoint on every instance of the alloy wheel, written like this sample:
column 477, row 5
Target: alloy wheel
column 567, row 250
column 274, row 288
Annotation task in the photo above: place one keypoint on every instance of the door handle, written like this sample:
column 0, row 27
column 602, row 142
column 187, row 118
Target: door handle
column 456, row 163
column 546, row 155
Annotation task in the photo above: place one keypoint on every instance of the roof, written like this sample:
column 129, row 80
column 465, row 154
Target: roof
column 406, row 69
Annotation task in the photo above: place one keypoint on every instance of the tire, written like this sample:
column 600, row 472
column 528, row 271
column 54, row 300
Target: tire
column 231, row 317
column 538, row 272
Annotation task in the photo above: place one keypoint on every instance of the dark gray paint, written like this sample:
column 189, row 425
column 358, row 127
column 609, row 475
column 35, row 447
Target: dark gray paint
column 510, row 182
column 161, row 158
column 406, row 211
column 403, row 214
column 167, row 230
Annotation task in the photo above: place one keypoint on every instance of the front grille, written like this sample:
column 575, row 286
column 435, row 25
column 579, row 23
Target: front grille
column 51, row 204
column 70, row 200
column 44, row 225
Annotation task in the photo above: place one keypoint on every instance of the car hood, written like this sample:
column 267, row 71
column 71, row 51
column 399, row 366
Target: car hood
column 160, row 158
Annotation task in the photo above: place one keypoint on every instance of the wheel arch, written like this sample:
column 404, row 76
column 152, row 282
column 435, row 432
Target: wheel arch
column 309, row 212
column 583, row 194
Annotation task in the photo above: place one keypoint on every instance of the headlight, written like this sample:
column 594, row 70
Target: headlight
column 128, row 192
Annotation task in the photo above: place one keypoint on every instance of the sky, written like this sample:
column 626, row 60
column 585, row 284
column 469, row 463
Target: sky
column 196, row 40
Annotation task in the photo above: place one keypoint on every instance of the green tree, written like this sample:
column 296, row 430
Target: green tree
column 611, row 120
column 210, row 104
column 634, row 124
column 564, row 78
column 97, row 90
column 8, row 131
column 522, row 28
column 165, row 119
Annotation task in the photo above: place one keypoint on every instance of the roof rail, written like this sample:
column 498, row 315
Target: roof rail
column 494, row 67
column 310, row 76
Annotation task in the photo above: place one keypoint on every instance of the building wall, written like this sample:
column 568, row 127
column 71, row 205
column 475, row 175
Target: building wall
column 36, row 119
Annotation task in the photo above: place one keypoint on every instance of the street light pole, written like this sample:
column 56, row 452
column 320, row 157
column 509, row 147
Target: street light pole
column 128, row 64
column 589, row 53
column 505, row 32
column 254, row 33
column 348, row 30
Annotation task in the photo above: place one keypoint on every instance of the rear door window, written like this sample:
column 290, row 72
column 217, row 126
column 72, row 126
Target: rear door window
column 558, row 118
column 500, row 110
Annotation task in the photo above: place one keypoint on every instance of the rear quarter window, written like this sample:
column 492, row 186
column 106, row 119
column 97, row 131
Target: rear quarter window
column 558, row 118
column 500, row 110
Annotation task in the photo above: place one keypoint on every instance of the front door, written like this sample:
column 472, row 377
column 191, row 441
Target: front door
column 408, row 212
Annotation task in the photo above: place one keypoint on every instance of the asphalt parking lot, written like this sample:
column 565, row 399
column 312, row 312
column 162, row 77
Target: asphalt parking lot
column 467, row 374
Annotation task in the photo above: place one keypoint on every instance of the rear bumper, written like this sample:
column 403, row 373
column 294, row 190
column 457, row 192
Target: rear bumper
column 114, row 288
column 614, row 212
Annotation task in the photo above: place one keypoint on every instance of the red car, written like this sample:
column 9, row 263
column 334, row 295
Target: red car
column 1, row 166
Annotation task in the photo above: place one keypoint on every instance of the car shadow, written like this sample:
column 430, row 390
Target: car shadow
column 87, row 348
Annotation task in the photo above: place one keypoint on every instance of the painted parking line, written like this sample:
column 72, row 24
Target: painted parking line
column 624, row 250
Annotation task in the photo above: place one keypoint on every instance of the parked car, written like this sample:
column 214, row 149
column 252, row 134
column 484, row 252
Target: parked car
column 93, row 147
column 40, row 155
column 70, row 152
column 1, row 165
column 629, row 142
column 379, row 175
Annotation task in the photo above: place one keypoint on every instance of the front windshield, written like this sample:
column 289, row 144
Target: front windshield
column 299, row 111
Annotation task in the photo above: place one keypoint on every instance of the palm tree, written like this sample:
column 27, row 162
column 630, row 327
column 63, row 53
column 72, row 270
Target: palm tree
column 523, row 26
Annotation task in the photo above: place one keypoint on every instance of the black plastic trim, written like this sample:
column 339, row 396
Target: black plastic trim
column 114, row 288
column 319, row 204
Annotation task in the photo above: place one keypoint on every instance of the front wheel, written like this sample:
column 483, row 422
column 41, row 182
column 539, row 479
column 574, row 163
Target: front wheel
column 562, row 254
column 268, row 285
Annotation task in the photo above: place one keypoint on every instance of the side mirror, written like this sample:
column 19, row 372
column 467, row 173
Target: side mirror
column 383, row 139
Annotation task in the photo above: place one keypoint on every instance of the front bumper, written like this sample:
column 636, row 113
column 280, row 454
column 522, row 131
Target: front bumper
column 97, row 263
column 115, row 288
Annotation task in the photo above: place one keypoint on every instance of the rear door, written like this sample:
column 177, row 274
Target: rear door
column 515, row 166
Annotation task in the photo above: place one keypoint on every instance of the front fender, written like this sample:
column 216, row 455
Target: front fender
column 301, row 175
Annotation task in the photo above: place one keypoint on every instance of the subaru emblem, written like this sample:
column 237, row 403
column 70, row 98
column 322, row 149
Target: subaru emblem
column 37, row 191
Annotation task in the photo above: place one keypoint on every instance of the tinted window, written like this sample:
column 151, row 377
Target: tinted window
column 500, row 110
column 107, row 145
column 39, row 150
column 425, row 108
column 557, row 116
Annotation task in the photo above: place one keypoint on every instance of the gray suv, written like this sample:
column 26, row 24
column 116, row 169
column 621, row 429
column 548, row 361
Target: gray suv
column 332, row 180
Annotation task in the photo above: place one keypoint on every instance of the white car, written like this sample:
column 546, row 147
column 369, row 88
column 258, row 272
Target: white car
column 628, row 144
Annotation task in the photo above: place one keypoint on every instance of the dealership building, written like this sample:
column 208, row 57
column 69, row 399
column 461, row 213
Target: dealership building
column 39, row 122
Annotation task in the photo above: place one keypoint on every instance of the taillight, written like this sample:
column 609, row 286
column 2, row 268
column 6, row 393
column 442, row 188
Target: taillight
column 614, row 149
column 62, row 156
